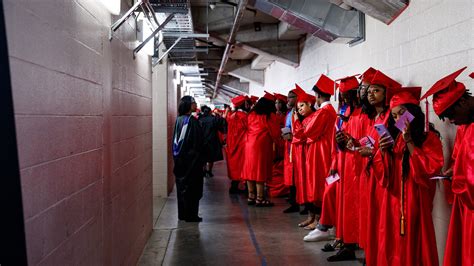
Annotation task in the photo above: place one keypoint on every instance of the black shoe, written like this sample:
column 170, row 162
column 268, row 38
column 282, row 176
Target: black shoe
column 292, row 208
column 304, row 212
column 343, row 255
column 328, row 248
column 196, row 219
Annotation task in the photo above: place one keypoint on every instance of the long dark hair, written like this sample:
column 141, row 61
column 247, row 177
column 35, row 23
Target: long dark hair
column 264, row 107
column 417, row 132
column 353, row 103
column 185, row 105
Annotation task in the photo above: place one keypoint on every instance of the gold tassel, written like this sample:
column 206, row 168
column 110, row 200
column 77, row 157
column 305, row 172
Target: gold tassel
column 291, row 153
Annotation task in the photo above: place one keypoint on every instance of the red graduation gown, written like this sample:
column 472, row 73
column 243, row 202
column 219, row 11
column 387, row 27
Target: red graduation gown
column 374, row 193
column 319, row 140
column 447, row 183
column 288, row 161
column 299, row 161
column 365, row 125
column 330, row 210
column 262, row 132
column 351, row 169
column 236, row 138
column 418, row 245
column 460, row 243
column 276, row 184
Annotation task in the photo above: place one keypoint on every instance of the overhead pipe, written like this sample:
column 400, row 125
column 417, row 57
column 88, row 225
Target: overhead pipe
column 230, row 42
column 255, row 50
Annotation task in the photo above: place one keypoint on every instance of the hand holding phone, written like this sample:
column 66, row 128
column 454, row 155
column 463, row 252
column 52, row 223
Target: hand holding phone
column 385, row 140
column 402, row 121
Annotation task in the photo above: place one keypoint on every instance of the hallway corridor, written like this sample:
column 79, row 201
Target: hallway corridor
column 231, row 233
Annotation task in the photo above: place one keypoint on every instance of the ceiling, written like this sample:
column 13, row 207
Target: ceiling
column 227, row 44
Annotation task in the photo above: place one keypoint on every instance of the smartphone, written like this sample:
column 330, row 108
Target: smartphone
column 382, row 130
column 406, row 116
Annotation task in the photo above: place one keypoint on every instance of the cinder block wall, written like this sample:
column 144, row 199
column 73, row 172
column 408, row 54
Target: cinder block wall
column 83, row 117
column 431, row 39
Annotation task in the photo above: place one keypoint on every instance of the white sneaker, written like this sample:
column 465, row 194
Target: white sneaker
column 317, row 235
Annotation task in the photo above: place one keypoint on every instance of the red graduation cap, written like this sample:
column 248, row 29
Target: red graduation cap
column 325, row 85
column 253, row 99
column 280, row 97
column 405, row 95
column 297, row 90
column 269, row 96
column 368, row 75
column 307, row 98
column 348, row 83
column 239, row 100
column 446, row 92
column 383, row 80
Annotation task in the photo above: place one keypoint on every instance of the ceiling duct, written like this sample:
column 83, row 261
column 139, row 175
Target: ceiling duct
column 383, row 10
column 319, row 18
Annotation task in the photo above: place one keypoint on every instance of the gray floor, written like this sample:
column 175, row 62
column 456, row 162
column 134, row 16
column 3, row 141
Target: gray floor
column 232, row 233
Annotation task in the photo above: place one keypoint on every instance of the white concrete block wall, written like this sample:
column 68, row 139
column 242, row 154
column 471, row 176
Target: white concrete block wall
column 160, row 128
column 431, row 39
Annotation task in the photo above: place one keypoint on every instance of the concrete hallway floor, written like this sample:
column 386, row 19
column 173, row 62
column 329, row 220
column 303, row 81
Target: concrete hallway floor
column 231, row 233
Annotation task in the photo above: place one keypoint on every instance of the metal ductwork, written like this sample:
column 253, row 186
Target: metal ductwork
column 319, row 18
column 383, row 10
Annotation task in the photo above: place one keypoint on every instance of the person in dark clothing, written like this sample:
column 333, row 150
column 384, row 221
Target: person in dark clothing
column 213, row 147
column 188, row 143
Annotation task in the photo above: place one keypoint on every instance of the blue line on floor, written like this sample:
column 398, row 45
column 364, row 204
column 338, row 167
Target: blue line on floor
column 245, row 212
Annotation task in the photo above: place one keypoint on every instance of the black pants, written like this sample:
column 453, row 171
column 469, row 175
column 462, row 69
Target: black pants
column 188, row 193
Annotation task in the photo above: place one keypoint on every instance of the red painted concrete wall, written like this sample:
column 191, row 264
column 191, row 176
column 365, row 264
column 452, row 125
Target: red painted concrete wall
column 83, row 117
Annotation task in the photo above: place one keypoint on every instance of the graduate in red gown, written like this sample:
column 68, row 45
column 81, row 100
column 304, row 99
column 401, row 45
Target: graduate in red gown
column 451, row 100
column 366, row 120
column 305, row 107
column 330, row 211
column 236, row 138
column 403, row 169
column 263, row 132
column 288, row 159
column 378, row 113
column 275, row 184
column 319, row 138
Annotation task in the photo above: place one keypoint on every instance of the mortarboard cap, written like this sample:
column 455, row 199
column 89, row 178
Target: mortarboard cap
column 280, row 97
column 253, row 99
column 325, row 85
column 446, row 92
column 348, row 83
column 268, row 96
column 368, row 75
column 297, row 89
column 389, row 84
column 239, row 100
column 405, row 95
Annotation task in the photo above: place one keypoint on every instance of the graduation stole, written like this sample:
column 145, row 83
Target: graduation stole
column 179, row 137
